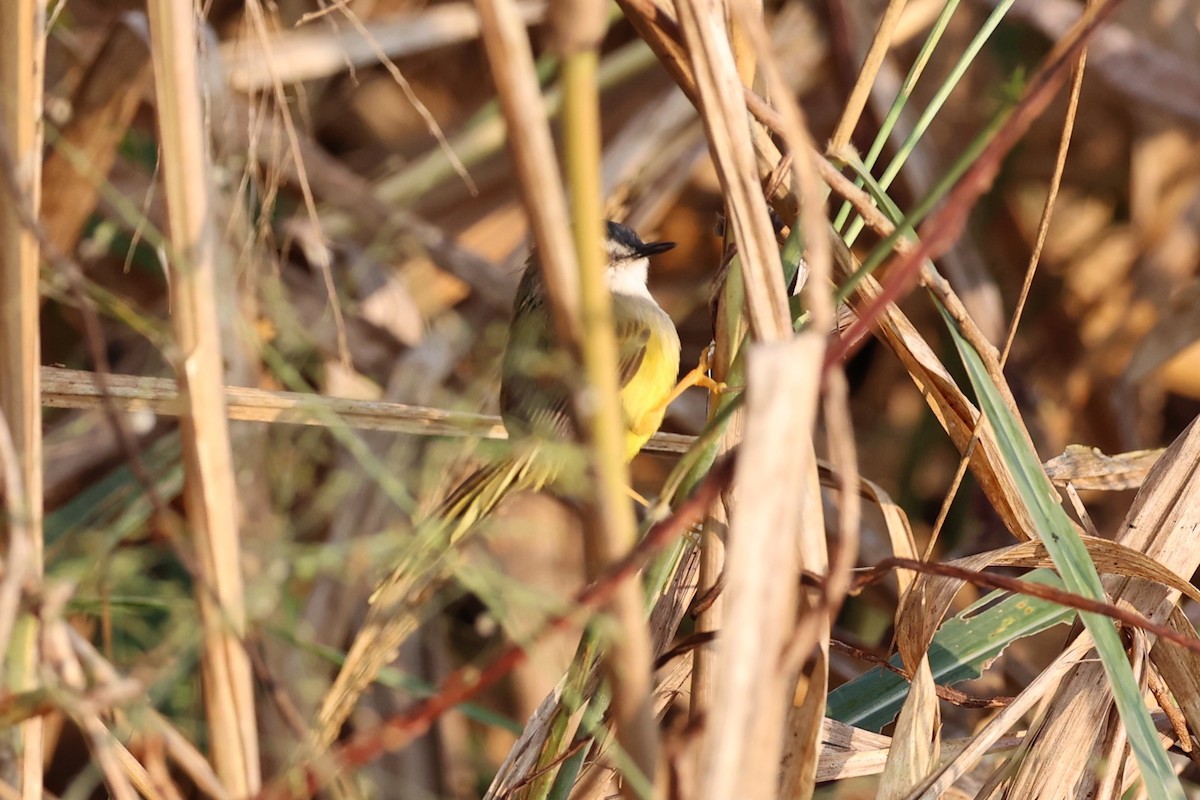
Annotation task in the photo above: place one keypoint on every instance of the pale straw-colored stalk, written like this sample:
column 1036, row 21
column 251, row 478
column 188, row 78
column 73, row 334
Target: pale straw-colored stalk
column 729, row 331
column 866, row 76
column 210, row 491
column 70, row 388
column 22, row 57
column 742, row 746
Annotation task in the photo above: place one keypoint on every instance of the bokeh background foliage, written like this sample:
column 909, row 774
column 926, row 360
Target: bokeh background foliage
column 314, row 217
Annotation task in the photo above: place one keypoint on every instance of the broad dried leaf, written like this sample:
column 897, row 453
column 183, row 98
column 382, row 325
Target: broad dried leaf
column 914, row 751
column 992, row 733
column 741, row 751
column 1089, row 469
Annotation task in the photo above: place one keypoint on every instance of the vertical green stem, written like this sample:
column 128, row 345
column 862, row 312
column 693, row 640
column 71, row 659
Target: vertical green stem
column 610, row 529
column 906, row 89
column 935, row 105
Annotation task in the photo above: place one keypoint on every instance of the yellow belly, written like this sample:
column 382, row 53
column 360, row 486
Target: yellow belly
column 643, row 396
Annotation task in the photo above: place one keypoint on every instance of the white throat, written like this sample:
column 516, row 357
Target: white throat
column 629, row 278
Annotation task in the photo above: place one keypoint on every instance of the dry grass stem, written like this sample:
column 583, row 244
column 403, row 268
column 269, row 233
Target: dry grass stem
column 210, row 489
column 720, row 91
column 290, row 208
column 809, row 648
column 861, row 92
column 744, row 734
column 533, row 153
column 307, row 53
column 22, row 65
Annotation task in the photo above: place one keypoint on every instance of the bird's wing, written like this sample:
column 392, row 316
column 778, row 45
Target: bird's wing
column 632, row 336
column 535, row 396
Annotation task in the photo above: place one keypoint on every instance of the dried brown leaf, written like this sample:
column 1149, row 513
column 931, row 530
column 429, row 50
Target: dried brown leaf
column 742, row 747
column 938, row 783
column 916, row 743
column 1180, row 670
column 1087, row 468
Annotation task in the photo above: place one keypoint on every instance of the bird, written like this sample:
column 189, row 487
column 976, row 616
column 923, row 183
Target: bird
column 535, row 400
column 536, row 405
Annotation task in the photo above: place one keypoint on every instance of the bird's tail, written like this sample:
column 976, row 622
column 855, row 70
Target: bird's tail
column 481, row 491
column 393, row 613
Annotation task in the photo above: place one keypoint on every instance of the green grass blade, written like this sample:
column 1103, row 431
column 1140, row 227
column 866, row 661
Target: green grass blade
column 908, row 222
column 961, row 650
column 935, row 105
column 1076, row 568
column 906, row 89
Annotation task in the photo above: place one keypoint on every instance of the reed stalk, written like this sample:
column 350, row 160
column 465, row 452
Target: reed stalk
column 610, row 531
column 729, row 332
column 69, row 388
column 210, row 491
column 22, row 57
column 857, row 101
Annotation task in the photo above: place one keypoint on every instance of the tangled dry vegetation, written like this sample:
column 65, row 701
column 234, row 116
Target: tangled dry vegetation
column 959, row 247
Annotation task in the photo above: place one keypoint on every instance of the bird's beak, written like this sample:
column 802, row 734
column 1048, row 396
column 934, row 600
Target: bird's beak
column 654, row 248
